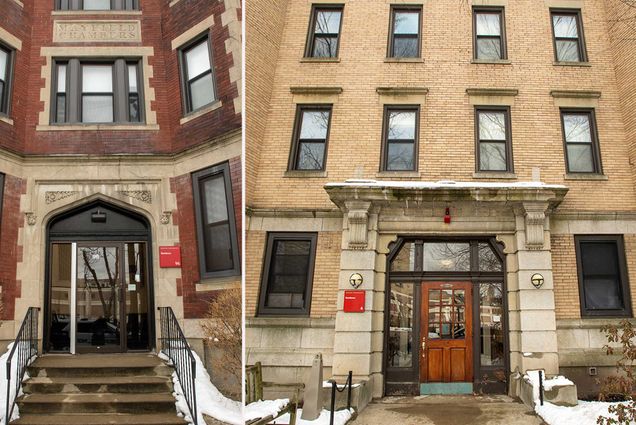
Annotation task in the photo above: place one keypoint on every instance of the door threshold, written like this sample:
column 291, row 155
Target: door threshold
column 446, row 388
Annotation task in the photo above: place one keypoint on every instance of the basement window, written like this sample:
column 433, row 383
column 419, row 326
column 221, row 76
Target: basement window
column 6, row 68
column 96, row 5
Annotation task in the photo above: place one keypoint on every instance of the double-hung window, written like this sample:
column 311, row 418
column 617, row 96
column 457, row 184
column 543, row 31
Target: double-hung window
column 569, row 43
column 603, row 281
column 97, row 94
column 582, row 153
column 400, row 138
column 324, row 32
column 489, row 33
column 288, row 274
column 404, row 35
column 197, row 77
column 493, row 138
column 97, row 4
column 311, row 134
column 6, row 62
column 216, row 226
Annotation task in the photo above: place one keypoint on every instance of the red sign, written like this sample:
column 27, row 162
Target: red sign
column 354, row 301
column 169, row 256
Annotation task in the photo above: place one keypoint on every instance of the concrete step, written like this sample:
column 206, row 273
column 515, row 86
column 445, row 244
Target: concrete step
column 100, row 419
column 98, row 384
column 97, row 403
column 98, row 365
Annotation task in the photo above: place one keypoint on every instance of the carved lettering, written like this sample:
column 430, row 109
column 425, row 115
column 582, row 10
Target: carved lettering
column 97, row 31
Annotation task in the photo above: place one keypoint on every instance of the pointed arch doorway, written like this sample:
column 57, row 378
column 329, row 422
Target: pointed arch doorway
column 98, row 291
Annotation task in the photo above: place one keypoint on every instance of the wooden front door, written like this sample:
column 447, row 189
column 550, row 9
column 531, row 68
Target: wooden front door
column 446, row 335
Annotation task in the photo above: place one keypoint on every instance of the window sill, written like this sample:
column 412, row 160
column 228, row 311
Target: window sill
column 398, row 174
column 583, row 176
column 98, row 127
column 494, row 175
column 320, row 60
column 214, row 284
column 196, row 114
column 492, row 62
column 5, row 119
column 304, row 174
column 94, row 12
column 581, row 64
column 405, row 60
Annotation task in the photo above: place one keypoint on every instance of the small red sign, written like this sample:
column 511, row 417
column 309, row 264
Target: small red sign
column 169, row 256
column 354, row 301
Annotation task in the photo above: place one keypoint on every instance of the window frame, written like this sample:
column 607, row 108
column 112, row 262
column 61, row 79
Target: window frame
column 184, row 77
column 503, row 42
column 197, row 178
column 311, row 34
column 5, row 100
column 295, row 145
column 272, row 237
column 583, row 58
column 384, row 151
column 508, row 142
column 597, row 163
column 78, row 5
column 395, row 8
column 622, row 273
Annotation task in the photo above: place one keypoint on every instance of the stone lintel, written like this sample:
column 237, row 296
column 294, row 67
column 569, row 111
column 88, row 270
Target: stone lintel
column 315, row 90
column 491, row 92
column 401, row 91
column 579, row 94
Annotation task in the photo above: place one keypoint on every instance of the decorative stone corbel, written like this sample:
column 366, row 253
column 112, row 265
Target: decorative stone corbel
column 358, row 220
column 535, row 221
column 31, row 218
column 165, row 217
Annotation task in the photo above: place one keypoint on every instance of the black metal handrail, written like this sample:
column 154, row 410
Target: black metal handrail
column 334, row 388
column 176, row 347
column 24, row 351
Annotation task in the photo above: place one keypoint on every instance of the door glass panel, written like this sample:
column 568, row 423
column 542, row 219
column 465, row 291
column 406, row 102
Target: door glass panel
column 60, row 327
column 136, row 291
column 491, row 316
column 98, row 298
column 401, row 325
column 446, row 313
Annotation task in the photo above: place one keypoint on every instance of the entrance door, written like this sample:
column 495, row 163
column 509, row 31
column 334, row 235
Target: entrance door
column 446, row 333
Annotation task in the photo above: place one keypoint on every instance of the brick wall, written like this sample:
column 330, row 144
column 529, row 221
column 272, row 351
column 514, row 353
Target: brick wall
column 12, row 222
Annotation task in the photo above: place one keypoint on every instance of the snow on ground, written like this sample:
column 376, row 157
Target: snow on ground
column 341, row 417
column 264, row 408
column 209, row 399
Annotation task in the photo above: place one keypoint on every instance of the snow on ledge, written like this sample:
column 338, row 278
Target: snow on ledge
column 442, row 184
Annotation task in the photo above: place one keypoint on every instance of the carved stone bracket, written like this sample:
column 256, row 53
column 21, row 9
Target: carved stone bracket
column 140, row 195
column 56, row 195
column 358, row 220
column 31, row 218
column 165, row 217
column 535, row 221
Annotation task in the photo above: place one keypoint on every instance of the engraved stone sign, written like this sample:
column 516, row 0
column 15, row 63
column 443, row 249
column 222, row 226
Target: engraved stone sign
column 97, row 31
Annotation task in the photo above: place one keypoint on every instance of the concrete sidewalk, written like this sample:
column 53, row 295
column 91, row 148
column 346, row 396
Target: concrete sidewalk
column 448, row 410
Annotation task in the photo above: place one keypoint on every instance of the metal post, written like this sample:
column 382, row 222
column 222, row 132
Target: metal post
column 8, row 391
column 350, row 382
column 333, row 401
column 541, row 387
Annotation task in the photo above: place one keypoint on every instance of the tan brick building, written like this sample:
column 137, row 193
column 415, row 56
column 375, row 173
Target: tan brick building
column 470, row 160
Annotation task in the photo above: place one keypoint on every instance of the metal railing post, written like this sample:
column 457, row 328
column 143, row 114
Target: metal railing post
column 541, row 387
column 333, row 401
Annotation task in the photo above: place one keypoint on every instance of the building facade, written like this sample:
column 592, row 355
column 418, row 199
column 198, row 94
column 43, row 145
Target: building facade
column 440, row 194
column 120, row 144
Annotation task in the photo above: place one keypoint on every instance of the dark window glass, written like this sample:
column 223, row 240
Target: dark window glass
column 404, row 39
column 493, row 139
column 581, row 144
column 489, row 34
column 198, row 78
column 603, row 285
column 400, row 146
column 491, row 324
column 310, row 138
column 287, row 278
column 5, row 77
column 96, row 5
column 218, row 252
column 324, row 32
column 568, row 36
column 400, row 342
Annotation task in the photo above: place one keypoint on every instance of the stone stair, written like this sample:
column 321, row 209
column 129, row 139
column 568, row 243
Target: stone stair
column 97, row 389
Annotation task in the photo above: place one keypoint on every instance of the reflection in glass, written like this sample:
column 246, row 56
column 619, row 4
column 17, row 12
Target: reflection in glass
column 136, row 296
column 491, row 317
column 578, row 138
column 312, row 139
column 288, row 274
column 446, row 313
column 405, row 34
column 405, row 259
column 488, row 260
column 566, row 37
column 400, row 344
column 60, row 328
column 488, row 35
column 446, row 256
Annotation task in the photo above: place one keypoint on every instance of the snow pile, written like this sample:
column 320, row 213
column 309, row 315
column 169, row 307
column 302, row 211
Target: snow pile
column 264, row 408
column 585, row 413
column 209, row 399
column 532, row 376
column 3, row 380
column 340, row 418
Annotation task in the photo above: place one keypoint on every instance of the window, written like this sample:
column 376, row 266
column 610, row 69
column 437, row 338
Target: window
column 288, row 273
column 96, row 4
column 6, row 59
column 581, row 141
column 197, row 75
column 311, row 133
column 216, row 228
column 603, row 282
column 96, row 92
column 494, row 143
column 569, row 43
column 489, row 42
column 400, row 138
column 404, row 39
column 324, row 32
